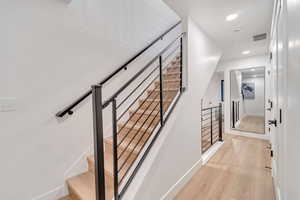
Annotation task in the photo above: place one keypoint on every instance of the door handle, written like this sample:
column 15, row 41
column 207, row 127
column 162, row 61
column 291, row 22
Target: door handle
column 269, row 109
column 273, row 122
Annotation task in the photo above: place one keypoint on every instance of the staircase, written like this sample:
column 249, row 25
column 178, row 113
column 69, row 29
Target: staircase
column 133, row 135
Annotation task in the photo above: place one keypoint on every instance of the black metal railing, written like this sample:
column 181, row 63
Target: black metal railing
column 235, row 112
column 69, row 109
column 211, row 126
column 139, row 110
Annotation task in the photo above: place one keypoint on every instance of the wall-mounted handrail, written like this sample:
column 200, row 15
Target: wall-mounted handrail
column 69, row 109
column 105, row 104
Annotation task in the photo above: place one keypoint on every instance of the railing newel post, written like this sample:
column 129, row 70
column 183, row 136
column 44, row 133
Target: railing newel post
column 233, row 115
column 161, row 91
column 220, row 123
column 98, row 142
column 181, row 63
column 115, row 149
column 211, row 126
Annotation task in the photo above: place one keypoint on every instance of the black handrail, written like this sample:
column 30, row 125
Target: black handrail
column 69, row 109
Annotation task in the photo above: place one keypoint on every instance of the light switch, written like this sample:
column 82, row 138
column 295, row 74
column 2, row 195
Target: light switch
column 8, row 104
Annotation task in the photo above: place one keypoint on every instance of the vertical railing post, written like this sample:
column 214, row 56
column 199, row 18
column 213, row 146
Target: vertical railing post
column 211, row 126
column 98, row 142
column 181, row 63
column 220, row 123
column 236, row 118
column 238, row 111
column 161, row 91
column 115, row 149
column 233, row 115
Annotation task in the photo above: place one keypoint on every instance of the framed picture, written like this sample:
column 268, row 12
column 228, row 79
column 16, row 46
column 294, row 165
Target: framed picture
column 248, row 90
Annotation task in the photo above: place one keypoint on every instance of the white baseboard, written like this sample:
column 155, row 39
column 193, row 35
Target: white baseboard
column 274, row 175
column 53, row 194
column 79, row 166
column 211, row 151
column 249, row 134
column 278, row 193
column 171, row 193
column 274, row 168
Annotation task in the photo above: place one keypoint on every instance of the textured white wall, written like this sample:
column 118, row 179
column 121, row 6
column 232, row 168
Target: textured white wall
column 293, row 110
column 256, row 106
column 288, row 139
column 213, row 93
column 51, row 52
column 181, row 136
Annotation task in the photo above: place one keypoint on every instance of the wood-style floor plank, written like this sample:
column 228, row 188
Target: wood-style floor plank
column 236, row 172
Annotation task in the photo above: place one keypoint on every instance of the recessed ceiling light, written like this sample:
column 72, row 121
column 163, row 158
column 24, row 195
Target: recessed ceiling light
column 246, row 52
column 253, row 70
column 237, row 30
column 232, row 17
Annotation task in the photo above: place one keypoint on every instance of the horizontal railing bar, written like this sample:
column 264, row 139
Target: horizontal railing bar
column 105, row 104
column 128, row 156
column 134, row 126
column 139, row 85
column 147, row 78
column 166, row 57
column 135, row 113
column 68, row 109
column 204, row 109
column 142, row 145
column 138, row 98
column 146, row 151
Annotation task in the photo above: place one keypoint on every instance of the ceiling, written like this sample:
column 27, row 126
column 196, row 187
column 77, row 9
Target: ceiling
column 253, row 72
column 255, row 17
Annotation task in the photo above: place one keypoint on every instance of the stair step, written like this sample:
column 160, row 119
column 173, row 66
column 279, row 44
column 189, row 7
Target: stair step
column 108, row 162
column 82, row 187
column 143, row 115
column 150, row 104
column 172, row 75
column 144, row 112
column 168, row 93
column 131, row 134
column 136, row 144
column 172, row 83
column 66, row 198
column 174, row 68
column 140, row 122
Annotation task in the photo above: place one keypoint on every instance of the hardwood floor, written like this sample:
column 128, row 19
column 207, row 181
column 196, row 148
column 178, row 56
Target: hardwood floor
column 236, row 172
column 251, row 123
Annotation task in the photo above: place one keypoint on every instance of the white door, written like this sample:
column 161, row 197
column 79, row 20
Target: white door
column 278, row 95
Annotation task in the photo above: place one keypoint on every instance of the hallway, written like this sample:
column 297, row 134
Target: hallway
column 251, row 123
column 236, row 172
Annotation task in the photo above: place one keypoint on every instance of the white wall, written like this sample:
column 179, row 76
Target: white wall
column 293, row 103
column 52, row 52
column 213, row 93
column 235, row 82
column 235, row 93
column 256, row 106
column 181, row 136
column 227, row 67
